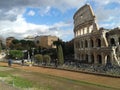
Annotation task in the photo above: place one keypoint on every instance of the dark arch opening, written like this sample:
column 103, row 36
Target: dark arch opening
column 108, row 62
column 86, row 43
column 112, row 42
column 92, row 58
column 86, row 58
column 99, row 43
column 91, row 43
column 119, row 40
column 99, row 59
column 81, row 44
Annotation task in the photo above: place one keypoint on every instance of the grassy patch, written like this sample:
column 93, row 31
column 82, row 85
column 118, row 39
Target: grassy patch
column 63, row 79
column 20, row 82
column 3, row 74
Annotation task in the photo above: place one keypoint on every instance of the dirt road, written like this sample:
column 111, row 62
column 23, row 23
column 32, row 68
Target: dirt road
column 107, row 81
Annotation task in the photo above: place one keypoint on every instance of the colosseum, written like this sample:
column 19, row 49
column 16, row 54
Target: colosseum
column 94, row 45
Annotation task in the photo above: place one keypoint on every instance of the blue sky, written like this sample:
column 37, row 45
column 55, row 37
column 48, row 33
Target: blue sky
column 22, row 18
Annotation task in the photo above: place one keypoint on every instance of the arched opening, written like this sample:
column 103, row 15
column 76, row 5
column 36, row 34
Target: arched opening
column 91, row 43
column 99, row 59
column 98, row 42
column 119, row 40
column 108, row 62
column 92, row 58
column 81, row 44
column 86, row 44
column 82, row 57
column 112, row 42
column 86, row 58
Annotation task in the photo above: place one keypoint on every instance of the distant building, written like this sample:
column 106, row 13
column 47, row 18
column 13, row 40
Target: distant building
column 94, row 45
column 45, row 41
column 9, row 41
column 29, row 38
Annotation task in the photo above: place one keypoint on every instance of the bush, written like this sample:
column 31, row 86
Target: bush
column 39, row 58
column 46, row 59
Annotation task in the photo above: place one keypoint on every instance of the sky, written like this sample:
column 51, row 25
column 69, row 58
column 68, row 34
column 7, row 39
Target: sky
column 22, row 18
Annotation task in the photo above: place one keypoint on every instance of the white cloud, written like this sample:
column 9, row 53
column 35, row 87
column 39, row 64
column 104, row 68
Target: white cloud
column 45, row 10
column 20, row 28
column 13, row 24
column 31, row 13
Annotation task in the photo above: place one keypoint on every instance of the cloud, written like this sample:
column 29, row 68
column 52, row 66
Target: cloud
column 20, row 28
column 31, row 13
column 12, row 22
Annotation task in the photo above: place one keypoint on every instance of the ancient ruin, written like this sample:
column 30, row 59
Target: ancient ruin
column 93, row 45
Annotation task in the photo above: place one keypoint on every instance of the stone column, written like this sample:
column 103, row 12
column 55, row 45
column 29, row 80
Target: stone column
column 89, row 58
column 103, row 58
column 95, row 58
column 89, row 43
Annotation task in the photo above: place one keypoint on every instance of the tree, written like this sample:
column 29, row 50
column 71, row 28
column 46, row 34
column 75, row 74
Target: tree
column 46, row 59
column 60, row 55
column 39, row 58
column 16, row 54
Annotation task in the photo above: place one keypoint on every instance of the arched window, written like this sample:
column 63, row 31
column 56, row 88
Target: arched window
column 112, row 42
column 86, row 43
column 98, row 42
column 99, row 59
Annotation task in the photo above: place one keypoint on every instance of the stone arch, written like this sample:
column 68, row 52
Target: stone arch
column 108, row 62
column 86, row 43
column 91, row 43
column 98, row 43
column 119, row 40
column 99, row 57
column 112, row 42
column 92, row 58
column 86, row 57
column 81, row 44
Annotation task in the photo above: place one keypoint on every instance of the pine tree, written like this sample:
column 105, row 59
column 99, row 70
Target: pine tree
column 60, row 55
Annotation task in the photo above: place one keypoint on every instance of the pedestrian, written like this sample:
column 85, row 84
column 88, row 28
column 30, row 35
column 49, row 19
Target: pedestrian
column 9, row 62
column 22, row 62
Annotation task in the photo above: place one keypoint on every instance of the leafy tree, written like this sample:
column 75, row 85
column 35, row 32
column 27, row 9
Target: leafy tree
column 39, row 58
column 46, row 59
column 60, row 55
column 16, row 54
column 15, row 41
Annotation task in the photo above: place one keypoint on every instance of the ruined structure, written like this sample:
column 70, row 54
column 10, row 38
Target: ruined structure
column 94, row 45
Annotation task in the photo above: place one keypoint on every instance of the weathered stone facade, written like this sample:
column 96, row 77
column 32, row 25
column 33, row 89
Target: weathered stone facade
column 94, row 45
column 45, row 41
column 9, row 41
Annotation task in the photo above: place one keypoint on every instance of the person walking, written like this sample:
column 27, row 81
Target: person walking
column 22, row 62
column 9, row 62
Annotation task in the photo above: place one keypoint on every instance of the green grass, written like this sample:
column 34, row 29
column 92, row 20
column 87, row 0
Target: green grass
column 3, row 74
column 28, row 79
column 16, row 80
column 20, row 82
